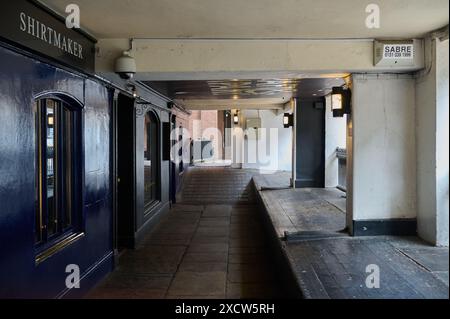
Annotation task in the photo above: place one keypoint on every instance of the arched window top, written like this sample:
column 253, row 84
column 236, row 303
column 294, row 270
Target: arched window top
column 152, row 116
column 69, row 100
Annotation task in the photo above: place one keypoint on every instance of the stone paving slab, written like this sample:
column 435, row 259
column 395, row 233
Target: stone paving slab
column 442, row 276
column 202, row 239
column 198, row 284
column 249, row 273
column 215, row 222
column 208, row 248
column 213, row 231
column 217, row 211
column 212, row 257
column 247, row 250
column 249, row 258
column 248, row 243
column 152, row 260
column 199, row 266
column 336, row 268
column 434, row 259
column 251, row 291
column 280, row 180
column 297, row 210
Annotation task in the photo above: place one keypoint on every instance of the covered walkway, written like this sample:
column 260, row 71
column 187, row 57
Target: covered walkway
column 236, row 230
column 201, row 250
column 224, row 149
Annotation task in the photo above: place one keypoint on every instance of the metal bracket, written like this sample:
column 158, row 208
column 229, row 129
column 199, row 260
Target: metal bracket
column 142, row 108
column 341, row 153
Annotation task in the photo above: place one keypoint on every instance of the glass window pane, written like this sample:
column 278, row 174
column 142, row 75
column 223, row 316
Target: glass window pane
column 150, row 159
column 56, row 126
column 67, row 127
column 51, row 167
column 154, row 154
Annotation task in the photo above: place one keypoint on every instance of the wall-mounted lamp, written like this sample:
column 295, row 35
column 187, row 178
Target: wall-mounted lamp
column 288, row 120
column 340, row 101
column 236, row 118
column 133, row 90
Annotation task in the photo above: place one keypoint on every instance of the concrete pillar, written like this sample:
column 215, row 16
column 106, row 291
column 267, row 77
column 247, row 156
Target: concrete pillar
column 432, row 144
column 442, row 144
column 382, row 132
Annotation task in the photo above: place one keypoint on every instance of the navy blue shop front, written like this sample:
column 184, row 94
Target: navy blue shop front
column 22, row 80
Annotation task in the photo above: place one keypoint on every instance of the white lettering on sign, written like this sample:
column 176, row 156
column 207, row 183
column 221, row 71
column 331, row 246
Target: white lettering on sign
column 44, row 33
column 398, row 51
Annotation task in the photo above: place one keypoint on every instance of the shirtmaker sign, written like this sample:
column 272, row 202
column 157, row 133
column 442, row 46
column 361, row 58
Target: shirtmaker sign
column 398, row 51
column 26, row 23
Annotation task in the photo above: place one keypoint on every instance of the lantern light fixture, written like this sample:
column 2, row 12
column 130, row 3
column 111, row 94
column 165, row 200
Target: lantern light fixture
column 288, row 120
column 236, row 118
column 133, row 90
column 340, row 101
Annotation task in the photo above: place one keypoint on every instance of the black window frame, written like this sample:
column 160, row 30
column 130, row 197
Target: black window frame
column 156, row 159
column 47, row 244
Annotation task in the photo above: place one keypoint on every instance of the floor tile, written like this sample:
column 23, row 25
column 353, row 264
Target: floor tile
column 198, row 284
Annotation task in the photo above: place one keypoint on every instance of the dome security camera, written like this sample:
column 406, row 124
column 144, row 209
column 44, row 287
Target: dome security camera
column 126, row 66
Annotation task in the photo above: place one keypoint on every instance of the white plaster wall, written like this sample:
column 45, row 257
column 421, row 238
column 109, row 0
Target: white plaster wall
column 281, row 157
column 335, row 136
column 442, row 139
column 426, row 147
column 384, row 164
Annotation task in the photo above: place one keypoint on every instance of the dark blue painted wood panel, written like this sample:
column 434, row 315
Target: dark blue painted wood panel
column 21, row 80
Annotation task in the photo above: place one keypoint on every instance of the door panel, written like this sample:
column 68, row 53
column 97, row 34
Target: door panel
column 125, row 171
column 310, row 144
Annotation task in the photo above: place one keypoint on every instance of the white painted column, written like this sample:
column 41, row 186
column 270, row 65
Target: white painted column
column 432, row 145
column 442, row 144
